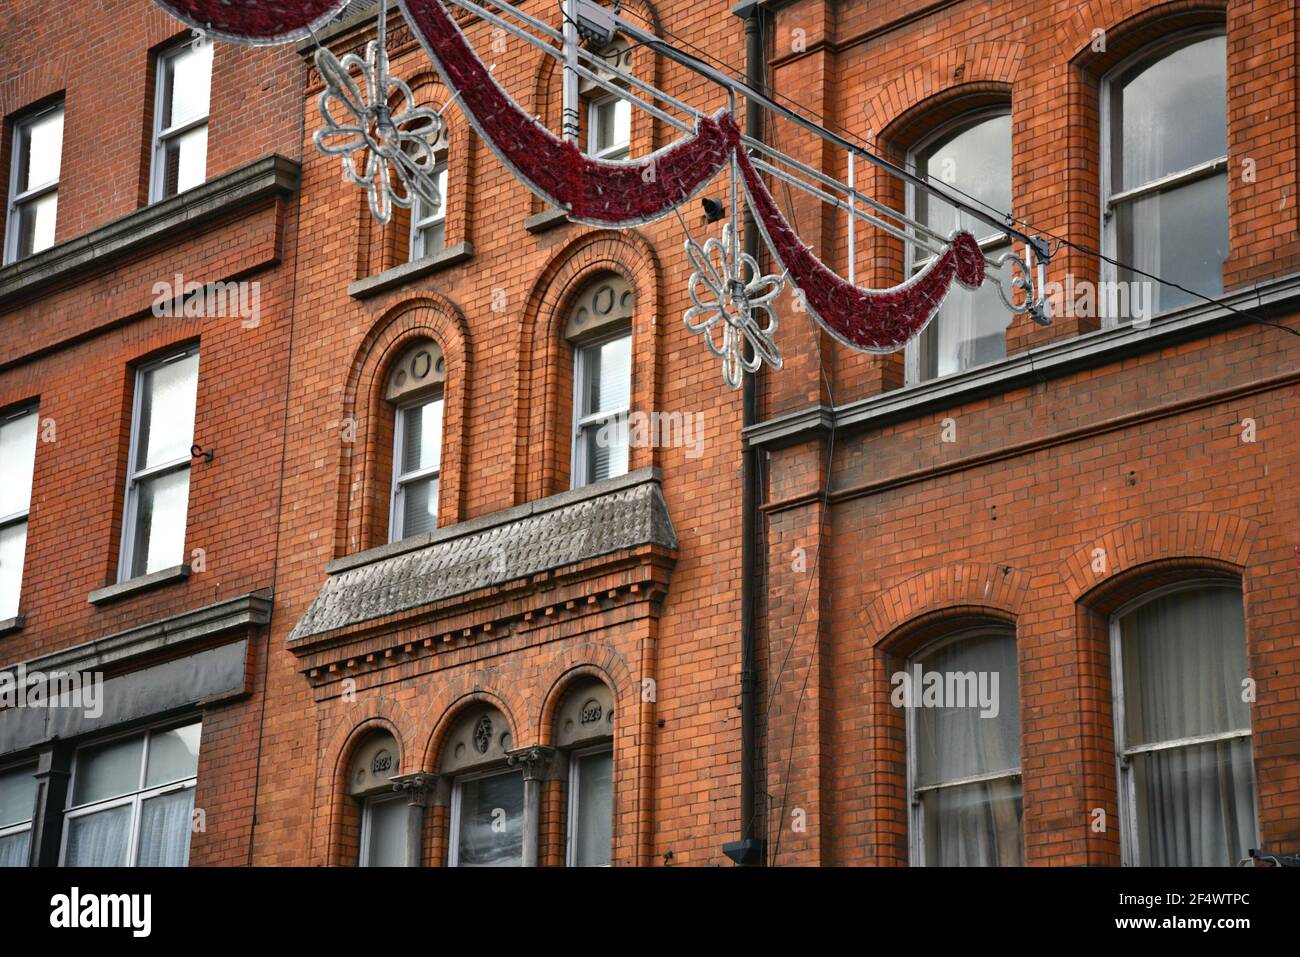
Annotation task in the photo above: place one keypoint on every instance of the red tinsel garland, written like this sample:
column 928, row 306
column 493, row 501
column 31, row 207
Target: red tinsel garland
column 254, row 21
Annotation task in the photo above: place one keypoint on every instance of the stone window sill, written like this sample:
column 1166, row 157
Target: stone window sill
column 418, row 269
column 134, row 586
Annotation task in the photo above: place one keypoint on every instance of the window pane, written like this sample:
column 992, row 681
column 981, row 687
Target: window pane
column 161, row 506
column 167, row 400
column 99, row 840
column 387, row 847
column 606, row 449
column 1184, row 660
column 189, row 85
column 974, row 726
column 17, row 460
column 430, row 240
column 595, row 823
column 17, row 796
column 970, row 328
column 1180, row 235
column 422, row 436
column 1196, row 805
column 42, row 152
column 166, row 822
column 607, row 376
column 36, row 224
column 108, row 770
column 491, row 822
column 185, row 161
column 1171, row 114
column 173, row 755
column 13, row 549
column 14, row 849
column 419, row 507
column 976, row 160
column 613, row 130
column 974, row 825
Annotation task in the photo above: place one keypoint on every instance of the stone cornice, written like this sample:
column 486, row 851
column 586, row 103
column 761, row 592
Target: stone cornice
column 272, row 175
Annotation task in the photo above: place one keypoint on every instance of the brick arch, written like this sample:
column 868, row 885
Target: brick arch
column 542, row 404
column 1169, row 540
column 365, row 464
column 337, row 818
column 479, row 687
column 965, row 588
column 1129, row 24
column 589, row 660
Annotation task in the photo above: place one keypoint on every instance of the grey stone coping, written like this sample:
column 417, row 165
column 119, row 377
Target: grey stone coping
column 133, row 586
column 515, row 543
column 8, row 625
column 545, row 220
column 187, row 627
column 1057, row 358
column 400, row 275
column 268, row 176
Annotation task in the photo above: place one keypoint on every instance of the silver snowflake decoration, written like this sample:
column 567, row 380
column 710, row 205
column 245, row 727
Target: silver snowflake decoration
column 733, row 306
column 396, row 142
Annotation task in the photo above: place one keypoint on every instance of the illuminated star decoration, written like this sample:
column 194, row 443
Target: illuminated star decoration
column 397, row 142
column 732, row 306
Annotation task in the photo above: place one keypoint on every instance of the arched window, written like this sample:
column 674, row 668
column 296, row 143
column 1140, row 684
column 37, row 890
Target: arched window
column 973, row 155
column 1164, row 171
column 429, row 226
column 962, row 701
column 415, row 390
column 487, row 795
column 600, row 330
column 609, row 116
column 1182, row 727
column 383, row 811
column 585, row 729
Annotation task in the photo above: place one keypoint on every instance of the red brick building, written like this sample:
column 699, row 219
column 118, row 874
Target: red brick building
column 410, row 559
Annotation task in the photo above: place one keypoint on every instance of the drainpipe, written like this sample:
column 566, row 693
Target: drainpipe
column 749, row 850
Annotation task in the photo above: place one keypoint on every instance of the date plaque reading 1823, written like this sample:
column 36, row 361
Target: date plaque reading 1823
column 591, row 712
column 383, row 762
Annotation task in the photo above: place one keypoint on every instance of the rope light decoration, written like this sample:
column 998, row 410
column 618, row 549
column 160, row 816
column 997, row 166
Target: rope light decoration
column 732, row 301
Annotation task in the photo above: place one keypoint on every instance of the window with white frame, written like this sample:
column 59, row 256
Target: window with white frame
column 609, row 128
column 599, row 327
column 1182, row 727
column 131, row 800
column 429, row 226
column 963, row 735
column 1164, row 173
column 416, row 392
column 183, row 81
column 383, row 831
column 17, row 460
column 36, row 158
column 970, row 329
column 486, row 826
column 591, row 807
column 158, row 481
column 17, row 810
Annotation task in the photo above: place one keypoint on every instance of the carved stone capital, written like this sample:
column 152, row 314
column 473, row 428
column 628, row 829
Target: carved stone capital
column 418, row 786
column 535, row 761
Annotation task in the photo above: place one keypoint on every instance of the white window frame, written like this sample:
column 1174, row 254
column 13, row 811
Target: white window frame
column 915, row 809
column 21, row 517
column 415, row 242
column 134, row 476
column 18, row 145
column 1150, row 53
column 367, row 808
column 578, row 456
column 617, row 151
column 571, row 832
column 163, row 76
column 29, row 825
column 991, row 245
column 453, row 840
column 137, row 798
column 1126, row 783
column 402, row 479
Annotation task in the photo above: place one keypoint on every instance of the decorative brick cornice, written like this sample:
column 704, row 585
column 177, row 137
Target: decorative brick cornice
column 966, row 585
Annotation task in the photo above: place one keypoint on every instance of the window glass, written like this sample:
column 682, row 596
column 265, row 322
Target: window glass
column 17, row 796
column 102, row 839
column 386, row 838
column 593, row 832
column 173, row 755
column 13, row 551
column 491, row 825
column 168, row 395
column 165, row 825
column 605, row 386
column 189, row 84
column 42, row 156
column 17, row 462
column 108, row 770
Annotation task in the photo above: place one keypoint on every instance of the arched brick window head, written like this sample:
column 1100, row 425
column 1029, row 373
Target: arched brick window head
column 599, row 328
column 383, row 811
column 415, row 393
column 584, row 728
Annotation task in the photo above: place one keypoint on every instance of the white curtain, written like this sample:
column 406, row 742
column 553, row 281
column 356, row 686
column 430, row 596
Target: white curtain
column 99, row 840
column 14, row 848
column 980, row 823
column 165, row 827
column 1184, row 664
